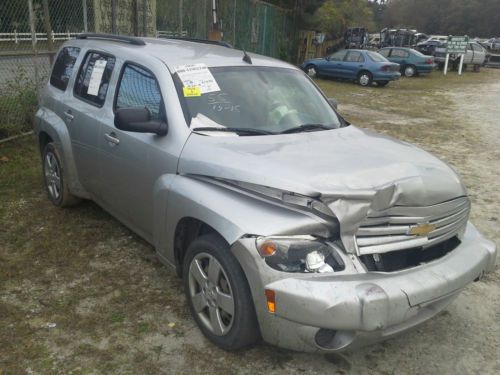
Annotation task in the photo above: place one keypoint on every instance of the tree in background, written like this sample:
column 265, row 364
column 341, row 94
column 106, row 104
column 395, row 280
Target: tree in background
column 335, row 16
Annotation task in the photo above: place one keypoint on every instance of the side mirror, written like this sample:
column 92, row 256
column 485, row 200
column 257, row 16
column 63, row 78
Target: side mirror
column 138, row 119
column 333, row 102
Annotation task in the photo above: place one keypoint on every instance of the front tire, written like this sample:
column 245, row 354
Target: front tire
column 55, row 182
column 218, row 294
column 312, row 71
column 365, row 78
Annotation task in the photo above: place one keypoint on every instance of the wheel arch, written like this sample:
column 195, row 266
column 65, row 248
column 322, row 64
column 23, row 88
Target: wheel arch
column 50, row 127
column 186, row 207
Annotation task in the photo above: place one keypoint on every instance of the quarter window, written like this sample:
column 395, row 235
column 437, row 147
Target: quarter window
column 63, row 67
column 139, row 88
column 93, row 79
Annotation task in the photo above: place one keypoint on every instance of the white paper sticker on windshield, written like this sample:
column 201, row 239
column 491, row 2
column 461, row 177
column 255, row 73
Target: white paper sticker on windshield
column 96, row 77
column 197, row 75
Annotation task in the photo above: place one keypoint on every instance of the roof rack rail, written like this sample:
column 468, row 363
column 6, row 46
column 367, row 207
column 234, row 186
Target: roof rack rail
column 117, row 38
column 195, row 40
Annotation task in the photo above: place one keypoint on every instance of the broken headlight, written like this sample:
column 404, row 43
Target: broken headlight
column 299, row 254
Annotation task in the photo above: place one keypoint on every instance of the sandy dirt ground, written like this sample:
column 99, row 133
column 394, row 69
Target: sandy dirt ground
column 81, row 294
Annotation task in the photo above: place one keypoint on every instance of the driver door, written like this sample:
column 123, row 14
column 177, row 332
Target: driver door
column 127, row 170
column 334, row 66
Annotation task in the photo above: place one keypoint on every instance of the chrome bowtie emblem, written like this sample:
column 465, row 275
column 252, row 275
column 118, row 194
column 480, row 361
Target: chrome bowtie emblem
column 421, row 229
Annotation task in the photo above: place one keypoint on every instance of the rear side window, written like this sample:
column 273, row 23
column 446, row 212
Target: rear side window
column 93, row 79
column 63, row 67
column 355, row 56
column 138, row 87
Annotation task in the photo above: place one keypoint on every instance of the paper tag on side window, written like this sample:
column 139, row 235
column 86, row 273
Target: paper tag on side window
column 197, row 75
column 191, row 91
column 96, row 77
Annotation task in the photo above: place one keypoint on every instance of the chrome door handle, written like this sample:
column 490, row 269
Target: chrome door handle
column 69, row 116
column 111, row 138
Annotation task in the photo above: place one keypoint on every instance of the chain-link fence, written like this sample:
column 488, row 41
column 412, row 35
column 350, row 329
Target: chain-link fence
column 252, row 25
column 31, row 32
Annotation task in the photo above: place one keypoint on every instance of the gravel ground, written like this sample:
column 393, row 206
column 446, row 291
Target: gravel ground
column 81, row 294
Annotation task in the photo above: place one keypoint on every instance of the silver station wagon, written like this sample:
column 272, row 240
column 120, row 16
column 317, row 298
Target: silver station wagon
column 285, row 222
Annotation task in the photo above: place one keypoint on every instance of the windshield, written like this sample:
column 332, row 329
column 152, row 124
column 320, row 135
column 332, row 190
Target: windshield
column 377, row 57
column 267, row 100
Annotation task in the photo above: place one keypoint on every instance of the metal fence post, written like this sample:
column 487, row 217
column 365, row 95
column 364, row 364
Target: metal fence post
column 181, row 16
column 33, row 41
column 113, row 17
column 85, row 19
column 145, row 17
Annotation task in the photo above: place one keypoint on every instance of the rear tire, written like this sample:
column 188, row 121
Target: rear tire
column 54, row 178
column 365, row 78
column 477, row 68
column 218, row 294
column 410, row 71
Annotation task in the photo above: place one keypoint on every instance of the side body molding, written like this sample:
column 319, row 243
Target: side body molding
column 230, row 213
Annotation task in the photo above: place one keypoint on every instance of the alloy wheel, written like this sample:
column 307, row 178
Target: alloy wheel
column 52, row 175
column 211, row 294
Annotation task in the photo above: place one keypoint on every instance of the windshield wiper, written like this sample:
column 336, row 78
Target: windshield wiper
column 233, row 130
column 307, row 128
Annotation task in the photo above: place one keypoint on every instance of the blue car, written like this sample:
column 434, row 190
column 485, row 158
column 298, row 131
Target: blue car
column 412, row 62
column 365, row 67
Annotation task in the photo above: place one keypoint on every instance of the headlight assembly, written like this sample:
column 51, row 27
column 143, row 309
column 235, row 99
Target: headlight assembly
column 298, row 254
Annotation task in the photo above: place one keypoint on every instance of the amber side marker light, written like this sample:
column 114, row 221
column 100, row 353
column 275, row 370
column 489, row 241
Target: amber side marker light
column 268, row 249
column 271, row 300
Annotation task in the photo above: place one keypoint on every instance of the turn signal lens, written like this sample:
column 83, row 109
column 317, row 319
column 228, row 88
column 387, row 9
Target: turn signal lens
column 268, row 249
column 271, row 300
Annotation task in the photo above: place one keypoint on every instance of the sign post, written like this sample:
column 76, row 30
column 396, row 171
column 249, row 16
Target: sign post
column 456, row 45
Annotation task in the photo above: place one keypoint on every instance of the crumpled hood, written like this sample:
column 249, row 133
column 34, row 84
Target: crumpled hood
column 337, row 163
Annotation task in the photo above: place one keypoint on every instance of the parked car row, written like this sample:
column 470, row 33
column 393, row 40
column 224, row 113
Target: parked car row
column 367, row 67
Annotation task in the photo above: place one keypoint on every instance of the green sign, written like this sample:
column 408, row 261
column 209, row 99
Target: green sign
column 457, row 44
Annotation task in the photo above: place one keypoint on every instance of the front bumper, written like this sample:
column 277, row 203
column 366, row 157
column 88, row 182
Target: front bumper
column 359, row 308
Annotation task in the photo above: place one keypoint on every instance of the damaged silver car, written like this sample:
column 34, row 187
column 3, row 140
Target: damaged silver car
column 285, row 222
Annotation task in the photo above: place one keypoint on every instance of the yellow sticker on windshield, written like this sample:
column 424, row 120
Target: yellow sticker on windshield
column 191, row 91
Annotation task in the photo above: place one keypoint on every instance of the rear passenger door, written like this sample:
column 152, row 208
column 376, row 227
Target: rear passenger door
column 86, row 111
column 353, row 63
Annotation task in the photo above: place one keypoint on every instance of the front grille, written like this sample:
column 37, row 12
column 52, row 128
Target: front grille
column 389, row 230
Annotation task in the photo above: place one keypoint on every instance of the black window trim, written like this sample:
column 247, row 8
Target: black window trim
column 89, row 51
column 72, row 71
column 118, row 84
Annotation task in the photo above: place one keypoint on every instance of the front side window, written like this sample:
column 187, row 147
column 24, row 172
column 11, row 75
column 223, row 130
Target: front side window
column 400, row 53
column 273, row 100
column 338, row 56
column 63, row 67
column 93, row 79
column 384, row 52
column 139, row 88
